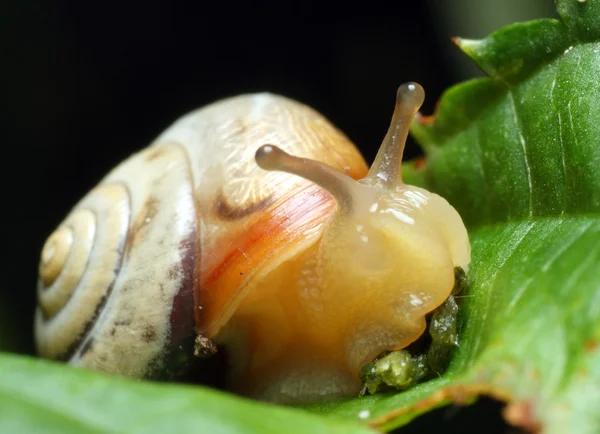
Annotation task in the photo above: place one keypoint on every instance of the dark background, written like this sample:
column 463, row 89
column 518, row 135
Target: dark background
column 85, row 84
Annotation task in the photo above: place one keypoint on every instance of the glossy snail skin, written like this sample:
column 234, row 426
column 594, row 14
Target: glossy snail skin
column 275, row 253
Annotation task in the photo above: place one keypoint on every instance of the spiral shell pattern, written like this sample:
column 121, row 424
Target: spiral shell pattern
column 78, row 267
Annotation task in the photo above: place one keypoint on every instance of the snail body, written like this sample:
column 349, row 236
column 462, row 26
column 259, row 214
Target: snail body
column 303, row 268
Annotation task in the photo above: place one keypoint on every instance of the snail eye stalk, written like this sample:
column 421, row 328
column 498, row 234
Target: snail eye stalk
column 387, row 167
column 342, row 187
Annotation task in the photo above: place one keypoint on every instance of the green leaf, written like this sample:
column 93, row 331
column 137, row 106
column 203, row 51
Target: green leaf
column 518, row 154
column 36, row 395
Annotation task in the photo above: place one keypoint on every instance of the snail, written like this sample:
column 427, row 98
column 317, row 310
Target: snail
column 254, row 225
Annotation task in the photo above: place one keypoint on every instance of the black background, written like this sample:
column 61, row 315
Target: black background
column 85, row 84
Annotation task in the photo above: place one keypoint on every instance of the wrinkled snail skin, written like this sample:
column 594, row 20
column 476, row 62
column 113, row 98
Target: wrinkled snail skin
column 303, row 269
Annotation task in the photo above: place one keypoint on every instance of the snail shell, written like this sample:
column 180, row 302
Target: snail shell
column 117, row 278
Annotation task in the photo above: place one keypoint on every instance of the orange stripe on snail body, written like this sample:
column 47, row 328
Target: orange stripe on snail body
column 254, row 225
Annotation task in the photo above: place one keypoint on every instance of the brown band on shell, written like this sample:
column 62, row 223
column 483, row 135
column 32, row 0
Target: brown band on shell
column 176, row 356
column 182, row 313
column 147, row 213
column 157, row 153
column 227, row 212
column 87, row 346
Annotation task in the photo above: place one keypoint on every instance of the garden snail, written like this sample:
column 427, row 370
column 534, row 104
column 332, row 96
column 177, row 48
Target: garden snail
column 301, row 272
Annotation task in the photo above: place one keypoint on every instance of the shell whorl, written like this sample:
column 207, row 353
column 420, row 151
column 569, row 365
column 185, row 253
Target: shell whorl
column 115, row 291
column 78, row 266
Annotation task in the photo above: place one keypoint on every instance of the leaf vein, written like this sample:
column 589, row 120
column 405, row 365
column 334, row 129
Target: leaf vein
column 492, row 279
column 560, row 141
column 477, row 144
column 565, row 246
column 518, row 295
column 521, row 291
column 572, row 125
column 524, row 147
